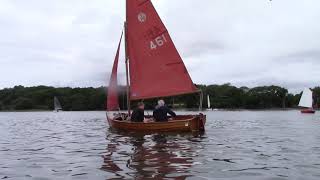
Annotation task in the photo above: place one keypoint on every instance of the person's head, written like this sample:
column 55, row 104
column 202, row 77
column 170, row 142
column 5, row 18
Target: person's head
column 161, row 102
column 140, row 105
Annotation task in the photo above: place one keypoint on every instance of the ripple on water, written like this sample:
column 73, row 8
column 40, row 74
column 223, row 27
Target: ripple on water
column 237, row 145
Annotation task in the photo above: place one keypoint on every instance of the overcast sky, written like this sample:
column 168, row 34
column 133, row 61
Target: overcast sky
column 244, row 42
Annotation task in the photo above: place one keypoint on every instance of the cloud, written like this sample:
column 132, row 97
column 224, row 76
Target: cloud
column 248, row 42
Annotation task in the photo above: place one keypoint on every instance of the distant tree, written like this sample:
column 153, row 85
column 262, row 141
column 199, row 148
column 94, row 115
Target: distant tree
column 23, row 103
column 293, row 100
column 221, row 96
column 266, row 97
column 316, row 96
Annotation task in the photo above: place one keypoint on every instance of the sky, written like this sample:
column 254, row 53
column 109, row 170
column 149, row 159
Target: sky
column 243, row 42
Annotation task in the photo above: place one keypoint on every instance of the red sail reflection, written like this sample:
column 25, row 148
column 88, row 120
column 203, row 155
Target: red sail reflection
column 150, row 157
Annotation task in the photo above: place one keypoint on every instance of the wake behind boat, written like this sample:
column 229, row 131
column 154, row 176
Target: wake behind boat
column 154, row 69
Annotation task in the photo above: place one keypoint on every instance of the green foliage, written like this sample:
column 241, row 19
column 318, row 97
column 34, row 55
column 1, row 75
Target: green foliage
column 41, row 98
column 23, row 103
column 266, row 97
column 81, row 99
column 224, row 96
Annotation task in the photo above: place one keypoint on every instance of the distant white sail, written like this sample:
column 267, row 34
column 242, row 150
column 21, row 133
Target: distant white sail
column 306, row 99
column 57, row 105
column 208, row 99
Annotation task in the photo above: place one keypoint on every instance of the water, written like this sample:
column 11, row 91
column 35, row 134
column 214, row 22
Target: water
column 242, row 145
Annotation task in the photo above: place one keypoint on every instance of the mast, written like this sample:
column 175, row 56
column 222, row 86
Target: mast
column 127, row 68
column 127, row 62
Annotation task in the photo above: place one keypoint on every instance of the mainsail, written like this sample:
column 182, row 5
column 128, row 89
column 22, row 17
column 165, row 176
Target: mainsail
column 112, row 100
column 57, row 105
column 208, row 100
column 306, row 99
column 156, row 68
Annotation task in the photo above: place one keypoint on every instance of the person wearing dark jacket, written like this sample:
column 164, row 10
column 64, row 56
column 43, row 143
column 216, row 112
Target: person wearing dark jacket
column 138, row 113
column 161, row 111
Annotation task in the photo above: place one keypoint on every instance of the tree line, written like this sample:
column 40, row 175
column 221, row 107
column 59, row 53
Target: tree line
column 224, row 96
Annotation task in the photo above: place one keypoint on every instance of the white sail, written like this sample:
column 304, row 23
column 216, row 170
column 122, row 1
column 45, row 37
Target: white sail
column 57, row 105
column 306, row 99
column 208, row 100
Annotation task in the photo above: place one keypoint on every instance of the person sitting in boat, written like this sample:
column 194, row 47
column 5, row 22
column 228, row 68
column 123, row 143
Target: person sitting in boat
column 161, row 111
column 138, row 113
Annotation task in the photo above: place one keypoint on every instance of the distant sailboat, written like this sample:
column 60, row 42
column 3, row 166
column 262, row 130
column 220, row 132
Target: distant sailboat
column 208, row 102
column 306, row 101
column 57, row 105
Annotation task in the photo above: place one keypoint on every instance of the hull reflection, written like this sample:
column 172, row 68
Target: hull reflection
column 155, row 156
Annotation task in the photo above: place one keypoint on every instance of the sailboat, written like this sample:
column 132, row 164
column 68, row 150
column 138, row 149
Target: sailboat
column 57, row 105
column 306, row 101
column 154, row 69
column 208, row 102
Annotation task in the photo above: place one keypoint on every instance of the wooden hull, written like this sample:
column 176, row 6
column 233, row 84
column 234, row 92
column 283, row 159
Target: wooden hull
column 181, row 123
column 308, row 111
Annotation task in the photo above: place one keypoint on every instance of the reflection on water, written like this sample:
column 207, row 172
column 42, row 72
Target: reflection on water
column 150, row 156
column 240, row 145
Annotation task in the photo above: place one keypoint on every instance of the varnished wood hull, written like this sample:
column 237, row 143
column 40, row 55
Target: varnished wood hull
column 182, row 123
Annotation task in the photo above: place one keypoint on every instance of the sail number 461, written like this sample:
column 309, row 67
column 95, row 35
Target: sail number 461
column 158, row 42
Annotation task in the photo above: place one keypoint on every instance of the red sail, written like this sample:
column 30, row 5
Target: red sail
column 156, row 68
column 112, row 101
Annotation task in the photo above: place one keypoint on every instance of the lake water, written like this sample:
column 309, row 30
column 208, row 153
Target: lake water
column 242, row 145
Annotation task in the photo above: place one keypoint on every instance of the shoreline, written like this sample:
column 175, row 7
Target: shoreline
column 204, row 110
